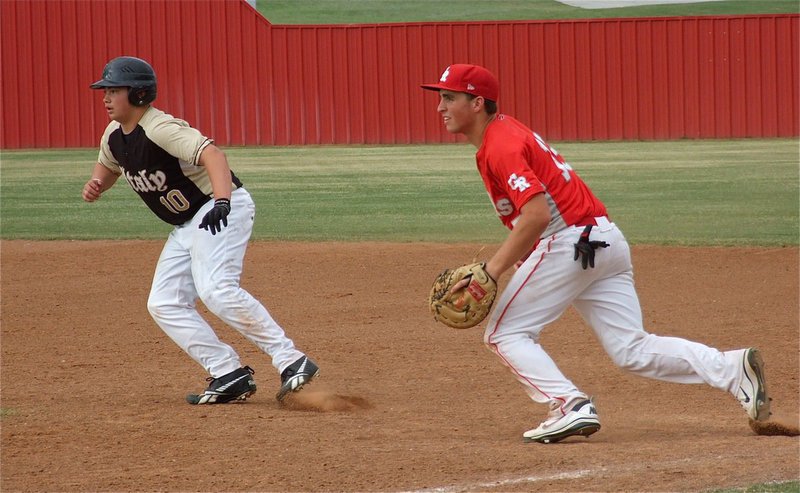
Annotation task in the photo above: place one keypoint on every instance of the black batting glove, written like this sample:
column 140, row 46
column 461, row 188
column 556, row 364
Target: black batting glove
column 584, row 249
column 218, row 214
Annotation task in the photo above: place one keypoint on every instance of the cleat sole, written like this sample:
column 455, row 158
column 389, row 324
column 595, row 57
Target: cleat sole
column 763, row 401
column 585, row 430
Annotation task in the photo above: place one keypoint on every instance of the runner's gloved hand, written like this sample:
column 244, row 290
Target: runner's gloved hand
column 218, row 214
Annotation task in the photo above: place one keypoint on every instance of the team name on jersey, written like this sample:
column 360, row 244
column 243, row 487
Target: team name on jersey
column 518, row 183
column 142, row 182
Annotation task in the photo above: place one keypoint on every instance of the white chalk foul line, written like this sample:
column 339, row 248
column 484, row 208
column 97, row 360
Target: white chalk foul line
column 581, row 473
column 507, row 482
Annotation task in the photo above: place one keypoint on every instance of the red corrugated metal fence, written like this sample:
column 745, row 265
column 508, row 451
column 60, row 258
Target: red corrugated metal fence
column 225, row 69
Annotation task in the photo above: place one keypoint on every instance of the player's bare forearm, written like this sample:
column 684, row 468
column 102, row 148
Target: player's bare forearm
column 533, row 220
column 215, row 162
column 102, row 179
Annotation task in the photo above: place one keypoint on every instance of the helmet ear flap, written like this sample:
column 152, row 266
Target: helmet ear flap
column 135, row 96
column 140, row 96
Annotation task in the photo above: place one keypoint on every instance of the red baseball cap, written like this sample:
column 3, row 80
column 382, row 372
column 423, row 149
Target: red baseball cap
column 471, row 79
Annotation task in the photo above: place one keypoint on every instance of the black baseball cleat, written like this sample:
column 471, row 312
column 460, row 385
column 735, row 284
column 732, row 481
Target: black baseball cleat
column 296, row 375
column 237, row 385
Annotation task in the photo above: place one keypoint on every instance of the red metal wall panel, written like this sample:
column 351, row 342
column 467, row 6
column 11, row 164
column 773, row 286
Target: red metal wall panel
column 675, row 80
column 722, row 77
column 551, row 73
column 785, row 53
column 10, row 92
column 583, row 82
column 795, row 86
column 630, row 82
column 593, row 83
column 706, row 88
column 42, row 83
column 691, row 80
column 242, row 81
column 612, row 103
column 738, row 76
column 658, row 50
column 769, row 78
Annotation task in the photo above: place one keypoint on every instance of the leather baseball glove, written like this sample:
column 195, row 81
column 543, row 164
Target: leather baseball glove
column 468, row 306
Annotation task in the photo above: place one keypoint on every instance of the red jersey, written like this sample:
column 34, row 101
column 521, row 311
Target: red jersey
column 516, row 164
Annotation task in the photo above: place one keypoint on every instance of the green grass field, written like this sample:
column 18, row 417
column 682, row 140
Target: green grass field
column 689, row 192
column 783, row 487
column 382, row 11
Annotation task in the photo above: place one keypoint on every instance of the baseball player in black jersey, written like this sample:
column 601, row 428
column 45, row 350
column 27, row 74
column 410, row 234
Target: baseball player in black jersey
column 186, row 181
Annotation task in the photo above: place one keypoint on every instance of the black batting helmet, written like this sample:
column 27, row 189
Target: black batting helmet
column 131, row 72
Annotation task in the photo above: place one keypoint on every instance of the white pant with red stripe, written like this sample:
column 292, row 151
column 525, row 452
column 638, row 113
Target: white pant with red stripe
column 550, row 280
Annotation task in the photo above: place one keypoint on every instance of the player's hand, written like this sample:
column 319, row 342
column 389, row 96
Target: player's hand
column 460, row 284
column 463, row 283
column 92, row 190
column 217, row 217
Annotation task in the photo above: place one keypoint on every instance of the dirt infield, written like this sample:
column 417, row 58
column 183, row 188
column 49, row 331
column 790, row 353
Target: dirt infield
column 93, row 392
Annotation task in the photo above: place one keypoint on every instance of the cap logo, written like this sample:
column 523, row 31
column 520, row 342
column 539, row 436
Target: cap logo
column 445, row 75
column 470, row 87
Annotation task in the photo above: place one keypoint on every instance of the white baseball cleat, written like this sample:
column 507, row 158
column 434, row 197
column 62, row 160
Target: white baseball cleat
column 576, row 417
column 752, row 390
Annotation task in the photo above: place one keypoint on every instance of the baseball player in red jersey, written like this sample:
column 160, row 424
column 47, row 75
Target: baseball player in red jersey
column 186, row 181
column 568, row 252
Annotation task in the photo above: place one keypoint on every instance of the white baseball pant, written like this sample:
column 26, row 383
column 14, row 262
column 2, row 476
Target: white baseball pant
column 550, row 280
column 196, row 264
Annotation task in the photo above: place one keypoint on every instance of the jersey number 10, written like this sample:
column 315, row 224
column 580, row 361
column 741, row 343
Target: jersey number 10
column 174, row 201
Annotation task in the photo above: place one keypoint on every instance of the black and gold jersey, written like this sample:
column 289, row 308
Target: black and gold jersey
column 160, row 161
